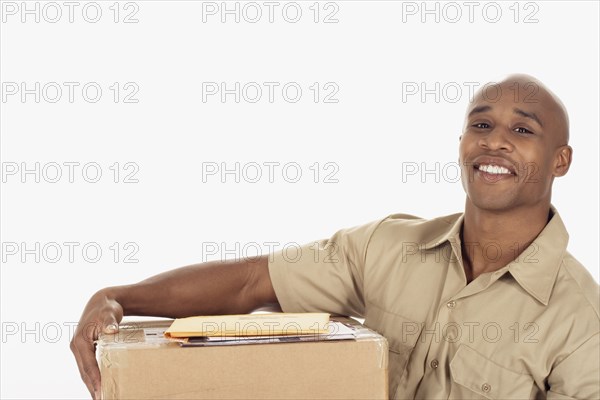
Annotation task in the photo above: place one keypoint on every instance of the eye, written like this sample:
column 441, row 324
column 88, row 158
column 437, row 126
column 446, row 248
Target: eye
column 523, row 130
column 481, row 125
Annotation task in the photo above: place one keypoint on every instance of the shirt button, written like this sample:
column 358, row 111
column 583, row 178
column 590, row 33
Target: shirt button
column 486, row 387
column 451, row 304
column 434, row 364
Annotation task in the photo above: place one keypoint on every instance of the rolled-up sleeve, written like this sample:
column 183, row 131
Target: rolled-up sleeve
column 325, row 275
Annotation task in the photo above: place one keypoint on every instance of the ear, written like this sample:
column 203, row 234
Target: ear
column 460, row 138
column 562, row 160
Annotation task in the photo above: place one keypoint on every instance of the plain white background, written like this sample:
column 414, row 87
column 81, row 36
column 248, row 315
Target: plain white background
column 173, row 215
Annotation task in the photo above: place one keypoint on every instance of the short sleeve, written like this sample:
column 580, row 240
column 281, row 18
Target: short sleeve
column 578, row 375
column 325, row 275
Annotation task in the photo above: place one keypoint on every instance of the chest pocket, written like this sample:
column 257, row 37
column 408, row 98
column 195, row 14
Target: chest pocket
column 402, row 335
column 476, row 377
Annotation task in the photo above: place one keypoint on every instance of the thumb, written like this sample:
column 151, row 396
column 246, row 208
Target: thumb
column 110, row 325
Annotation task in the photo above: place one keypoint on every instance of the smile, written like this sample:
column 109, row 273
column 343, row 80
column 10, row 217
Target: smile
column 491, row 173
column 493, row 169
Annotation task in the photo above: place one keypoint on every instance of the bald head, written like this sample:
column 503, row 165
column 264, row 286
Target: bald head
column 528, row 90
column 518, row 124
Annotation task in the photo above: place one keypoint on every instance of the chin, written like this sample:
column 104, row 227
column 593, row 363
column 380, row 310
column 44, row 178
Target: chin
column 492, row 203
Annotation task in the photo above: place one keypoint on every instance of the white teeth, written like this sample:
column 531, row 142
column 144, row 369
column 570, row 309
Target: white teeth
column 494, row 169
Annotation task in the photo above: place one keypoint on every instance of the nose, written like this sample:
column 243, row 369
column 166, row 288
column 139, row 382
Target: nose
column 496, row 139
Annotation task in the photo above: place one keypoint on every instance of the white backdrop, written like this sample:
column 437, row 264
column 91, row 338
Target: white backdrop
column 119, row 122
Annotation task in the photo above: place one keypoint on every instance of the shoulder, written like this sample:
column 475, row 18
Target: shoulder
column 408, row 220
column 580, row 284
column 417, row 229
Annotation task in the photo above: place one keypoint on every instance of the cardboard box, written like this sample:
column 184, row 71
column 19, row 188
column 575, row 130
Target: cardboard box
column 139, row 363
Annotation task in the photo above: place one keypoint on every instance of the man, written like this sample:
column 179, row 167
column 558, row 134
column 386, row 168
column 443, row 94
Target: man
column 485, row 304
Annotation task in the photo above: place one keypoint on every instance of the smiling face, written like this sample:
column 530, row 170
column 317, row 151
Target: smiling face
column 514, row 143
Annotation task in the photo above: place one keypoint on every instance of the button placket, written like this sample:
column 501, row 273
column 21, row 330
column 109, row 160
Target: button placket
column 437, row 351
column 436, row 341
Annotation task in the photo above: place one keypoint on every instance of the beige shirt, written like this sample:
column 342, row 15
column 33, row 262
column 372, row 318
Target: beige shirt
column 529, row 330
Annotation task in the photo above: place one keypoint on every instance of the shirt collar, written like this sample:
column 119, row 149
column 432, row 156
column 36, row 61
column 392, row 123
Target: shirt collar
column 536, row 268
column 453, row 225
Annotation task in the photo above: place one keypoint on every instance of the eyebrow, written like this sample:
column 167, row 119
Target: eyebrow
column 525, row 114
column 528, row 115
column 479, row 110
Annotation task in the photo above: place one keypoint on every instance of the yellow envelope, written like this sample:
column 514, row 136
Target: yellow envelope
column 250, row 325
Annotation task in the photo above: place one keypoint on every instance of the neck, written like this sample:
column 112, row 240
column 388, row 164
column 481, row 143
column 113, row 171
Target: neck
column 491, row 239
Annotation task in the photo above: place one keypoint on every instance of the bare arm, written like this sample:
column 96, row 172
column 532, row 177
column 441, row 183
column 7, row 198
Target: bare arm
column 200, row 289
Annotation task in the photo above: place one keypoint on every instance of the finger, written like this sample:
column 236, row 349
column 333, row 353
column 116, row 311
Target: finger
column 84, row 377
column 90, row 367
column 111, row 316
column 87, row 353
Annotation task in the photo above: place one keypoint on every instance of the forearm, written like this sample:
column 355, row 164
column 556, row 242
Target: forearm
column 233, row 287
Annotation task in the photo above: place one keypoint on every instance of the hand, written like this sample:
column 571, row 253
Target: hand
column 101, row 314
